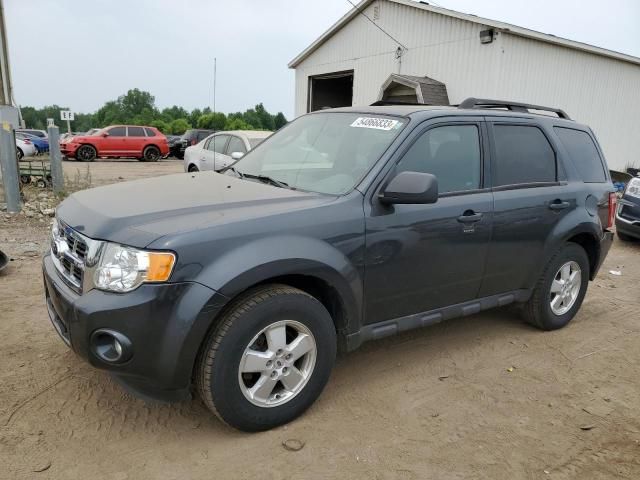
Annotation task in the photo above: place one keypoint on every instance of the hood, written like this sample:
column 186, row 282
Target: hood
column 137, row 213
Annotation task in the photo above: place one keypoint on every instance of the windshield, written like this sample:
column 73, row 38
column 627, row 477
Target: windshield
column 323, row 152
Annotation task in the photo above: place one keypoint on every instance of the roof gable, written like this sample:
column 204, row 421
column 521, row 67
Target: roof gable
column 501, row 26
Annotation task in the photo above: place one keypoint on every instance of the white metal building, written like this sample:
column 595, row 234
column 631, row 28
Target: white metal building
column 473, row 57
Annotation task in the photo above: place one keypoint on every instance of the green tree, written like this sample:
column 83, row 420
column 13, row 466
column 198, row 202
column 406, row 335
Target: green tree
column 237, row 124
column 161, row 125
column 174, row 113
column 279, row 120
column 212, row 121
column 266, row 119
column 179, row 126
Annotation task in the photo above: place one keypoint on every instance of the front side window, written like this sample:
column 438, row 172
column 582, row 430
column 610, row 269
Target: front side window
column 583, row 153
column 451, row 153
column 325, row 152
column 136, row 132
column 236, row 145
column 522, row 155
column 117, row 132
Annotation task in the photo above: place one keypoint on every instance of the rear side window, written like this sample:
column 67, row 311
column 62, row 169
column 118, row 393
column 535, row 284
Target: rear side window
column 451, row 153
column 583, row 153
column 136, row 132
column 149, row 132
column 522, row 155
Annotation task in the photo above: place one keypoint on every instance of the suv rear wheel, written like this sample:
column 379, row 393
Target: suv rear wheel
column 268, row 359
column 86, row 153
column 561, row 289
column 151, row 154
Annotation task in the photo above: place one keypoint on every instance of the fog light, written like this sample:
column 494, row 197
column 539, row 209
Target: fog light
column 111, row 346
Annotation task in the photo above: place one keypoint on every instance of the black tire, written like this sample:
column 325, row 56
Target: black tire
column 626, row 238
column 25, row 179
column 193, row 168
column 537, row 311
column 86, row 153
column 151, row 154
column 19, row 153
column 41, row 183
column 217, row 374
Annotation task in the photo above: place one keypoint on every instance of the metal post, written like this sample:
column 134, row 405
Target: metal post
column 55, row 159
column 9, row 166
column 68, row 126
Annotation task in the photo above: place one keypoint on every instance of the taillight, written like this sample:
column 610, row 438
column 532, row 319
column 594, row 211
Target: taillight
column 28, row 142
column 193, row 141
column 613, row 203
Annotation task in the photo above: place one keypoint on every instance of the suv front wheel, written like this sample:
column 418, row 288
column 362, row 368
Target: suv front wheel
column 268, row 358
column 560, row 291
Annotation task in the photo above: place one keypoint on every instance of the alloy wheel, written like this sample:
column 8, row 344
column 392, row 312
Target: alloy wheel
column 277, row 363
column 565, row 288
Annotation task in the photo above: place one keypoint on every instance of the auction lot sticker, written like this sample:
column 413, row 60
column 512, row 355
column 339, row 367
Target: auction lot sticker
column 374, row 122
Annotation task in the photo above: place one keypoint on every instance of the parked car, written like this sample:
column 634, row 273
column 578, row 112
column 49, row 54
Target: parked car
column 41, row 144
column 628, row 214
column 30, row 131
column 143, row 143
column 246, row 283
column 188, row 138
column 24, row 148
column 172, row 140
column 222, row 149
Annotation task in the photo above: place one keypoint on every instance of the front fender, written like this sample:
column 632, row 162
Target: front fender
column 263, row 259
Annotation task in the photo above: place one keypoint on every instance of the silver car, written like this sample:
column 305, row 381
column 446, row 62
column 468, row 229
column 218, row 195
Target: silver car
column 222, row 149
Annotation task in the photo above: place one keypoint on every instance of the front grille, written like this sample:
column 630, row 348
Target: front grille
column 71, row 252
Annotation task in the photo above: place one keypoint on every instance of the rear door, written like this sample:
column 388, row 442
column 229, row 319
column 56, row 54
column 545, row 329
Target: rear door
column 136, row 141
column 531, row 195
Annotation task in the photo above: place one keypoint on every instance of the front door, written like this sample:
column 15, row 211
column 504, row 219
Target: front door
column 213, row 149
column 422, row 257
column 114, row 143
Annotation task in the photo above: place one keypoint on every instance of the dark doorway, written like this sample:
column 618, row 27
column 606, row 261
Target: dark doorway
column 330, row 91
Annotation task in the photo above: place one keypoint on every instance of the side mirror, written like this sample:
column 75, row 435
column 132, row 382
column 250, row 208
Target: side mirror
column 410, row 188
column 237, row 155
column 105, row 134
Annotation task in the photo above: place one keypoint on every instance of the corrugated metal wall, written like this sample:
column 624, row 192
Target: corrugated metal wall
column 599, row 91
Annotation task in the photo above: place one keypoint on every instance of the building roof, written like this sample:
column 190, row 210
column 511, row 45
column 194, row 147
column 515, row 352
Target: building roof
column 428, row 90
column 501, row 26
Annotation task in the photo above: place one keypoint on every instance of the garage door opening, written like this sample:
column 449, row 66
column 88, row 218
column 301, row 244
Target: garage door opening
column 330, row 91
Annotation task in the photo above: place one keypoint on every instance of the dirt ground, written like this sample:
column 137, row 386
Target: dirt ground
column 483, row 397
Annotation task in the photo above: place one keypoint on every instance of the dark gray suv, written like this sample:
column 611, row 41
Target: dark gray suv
column 345, row 226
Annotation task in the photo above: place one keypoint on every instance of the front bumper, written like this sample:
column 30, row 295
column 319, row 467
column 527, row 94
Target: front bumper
column 628, row 218
column 166, row 324
column 68, row 149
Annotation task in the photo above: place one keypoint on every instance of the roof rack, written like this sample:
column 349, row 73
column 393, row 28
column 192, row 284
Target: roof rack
column 384, row 103
column 513, row 106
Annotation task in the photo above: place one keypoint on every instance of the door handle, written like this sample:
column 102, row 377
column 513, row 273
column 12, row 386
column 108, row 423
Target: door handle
column 559, row 205
column 470, row 217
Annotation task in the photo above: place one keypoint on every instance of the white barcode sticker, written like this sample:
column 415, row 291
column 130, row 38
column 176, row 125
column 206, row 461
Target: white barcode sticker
column 377, row 123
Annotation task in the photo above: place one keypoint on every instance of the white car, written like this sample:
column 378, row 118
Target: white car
column 24, row 148
column 222, row 149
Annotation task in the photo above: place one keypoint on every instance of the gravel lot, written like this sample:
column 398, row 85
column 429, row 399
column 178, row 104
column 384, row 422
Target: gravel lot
column 483, row 397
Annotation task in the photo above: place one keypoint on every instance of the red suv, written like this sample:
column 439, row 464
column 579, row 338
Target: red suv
column 143, row 143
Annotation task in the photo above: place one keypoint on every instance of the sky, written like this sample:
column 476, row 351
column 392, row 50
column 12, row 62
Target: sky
column 82, row 53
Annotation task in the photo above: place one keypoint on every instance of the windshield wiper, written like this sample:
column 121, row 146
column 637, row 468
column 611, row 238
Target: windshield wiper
column 233, row 169
column 265, row 179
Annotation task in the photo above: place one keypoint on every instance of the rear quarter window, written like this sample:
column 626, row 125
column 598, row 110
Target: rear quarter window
column 583, row 154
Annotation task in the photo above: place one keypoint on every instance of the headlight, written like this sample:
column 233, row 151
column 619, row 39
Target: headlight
column 633, row 188
column 123, row 269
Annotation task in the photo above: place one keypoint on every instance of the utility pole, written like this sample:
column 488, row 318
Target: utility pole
column 214, row 84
